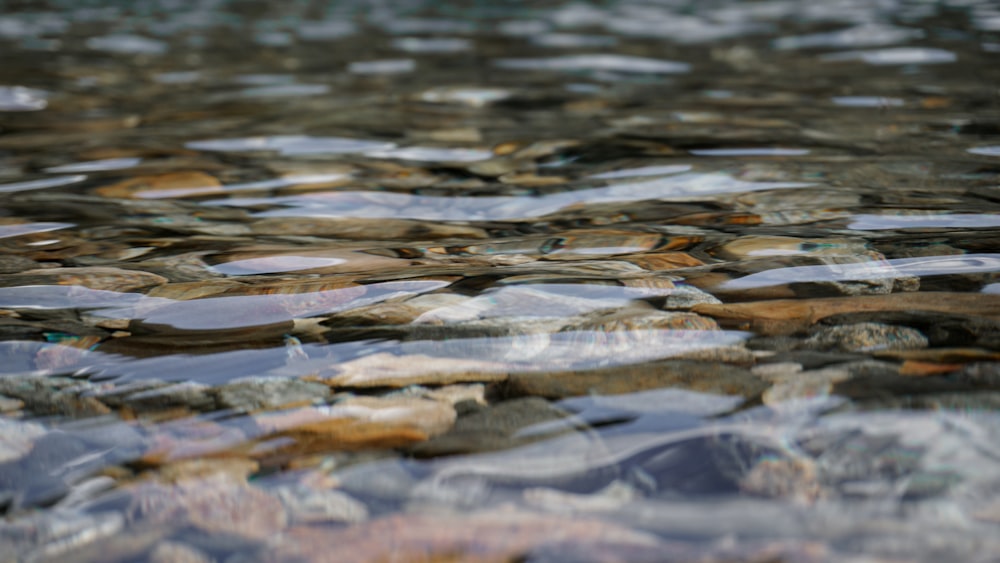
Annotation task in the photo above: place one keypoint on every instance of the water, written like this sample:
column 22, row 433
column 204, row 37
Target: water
column 557, row 281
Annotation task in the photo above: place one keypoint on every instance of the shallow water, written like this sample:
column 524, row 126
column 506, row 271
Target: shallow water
column 558, row 281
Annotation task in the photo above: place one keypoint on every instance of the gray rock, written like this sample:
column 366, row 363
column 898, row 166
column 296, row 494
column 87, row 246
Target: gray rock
column 256, row 393
column 188, row 394
column 308, row 505
column 866, row 337
column 480, row 429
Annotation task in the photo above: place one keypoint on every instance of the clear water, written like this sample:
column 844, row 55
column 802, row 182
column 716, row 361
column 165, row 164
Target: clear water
column 548, row 281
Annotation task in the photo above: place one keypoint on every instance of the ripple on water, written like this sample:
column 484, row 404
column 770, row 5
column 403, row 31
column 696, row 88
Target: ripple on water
column 28, row 228
column 895, row 56
column 53, row 182
column 96, row 165
column 598, row 62
column 19, row 98
column 986, row 151
column 927, row 221
column 900, row 267
column 291, row 145
column 486, row 208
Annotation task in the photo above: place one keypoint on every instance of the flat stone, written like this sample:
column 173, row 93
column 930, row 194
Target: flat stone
column 498, row 535
column 176, row 552
column 96, row 277
column 214, row 506
column 261, row 393
column 480, row 429
column 358, row 422
column 17, row 438
column 308, row 505
column 695, row 376
column 866, row 337
column 390, row 370
column 187, row 394
column 790, row 316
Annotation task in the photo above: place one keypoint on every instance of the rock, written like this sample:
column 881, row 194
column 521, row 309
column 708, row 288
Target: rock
column 187, row 394
column 796, row 479
column 12, row 264
column 9, row 404
column 757, row 246
column 866, row 337
column 265, row 393
column 362, row 228
column 397, row 313
column 213, row 506
column 104, row 278
column 233, row 469
column 358, row 422
column 480, row 429
column 53, row 395
column 17, row 438
column 642, row 320
column 692, row 375
column 790, row 316
column 497, row 535
column 389, row 370
column 174, row 184
column 175, row 552
column 985, row 374
column 307, row 505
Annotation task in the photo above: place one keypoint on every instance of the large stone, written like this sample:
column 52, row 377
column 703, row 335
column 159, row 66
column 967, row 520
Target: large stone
column 261, row 393
column 790, row 316
column 691, row 375
column 479, row 428
column 866, row 337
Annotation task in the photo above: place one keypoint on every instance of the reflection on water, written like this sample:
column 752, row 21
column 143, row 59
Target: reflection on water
column 557, row 281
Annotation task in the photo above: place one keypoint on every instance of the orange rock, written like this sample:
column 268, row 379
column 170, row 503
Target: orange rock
column 915, row 368
column 161, row 182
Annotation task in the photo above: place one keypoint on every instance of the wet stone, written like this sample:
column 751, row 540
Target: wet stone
column 866, row 337
column 307, row 505
column 480, row 428
column 269, row 393
column 188, row 394
column 696, row 376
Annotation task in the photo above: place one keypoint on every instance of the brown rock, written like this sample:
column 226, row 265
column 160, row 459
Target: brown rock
column 789, row 316
column 692, row 375
column 199, row 182
column 110, row 279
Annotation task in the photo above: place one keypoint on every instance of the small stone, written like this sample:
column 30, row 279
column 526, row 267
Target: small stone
column 491, row 428
column 109, row 279
column 213, row 506
column 866, row 337
column 9, row 404
column 17, row 438
column 358, row 422
column 384, row 369
column 232, row 468
column 176, row 552
column 174, row 184
column 187, row 394
column 264, row 393
column 307, row 505
column 795, row 479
